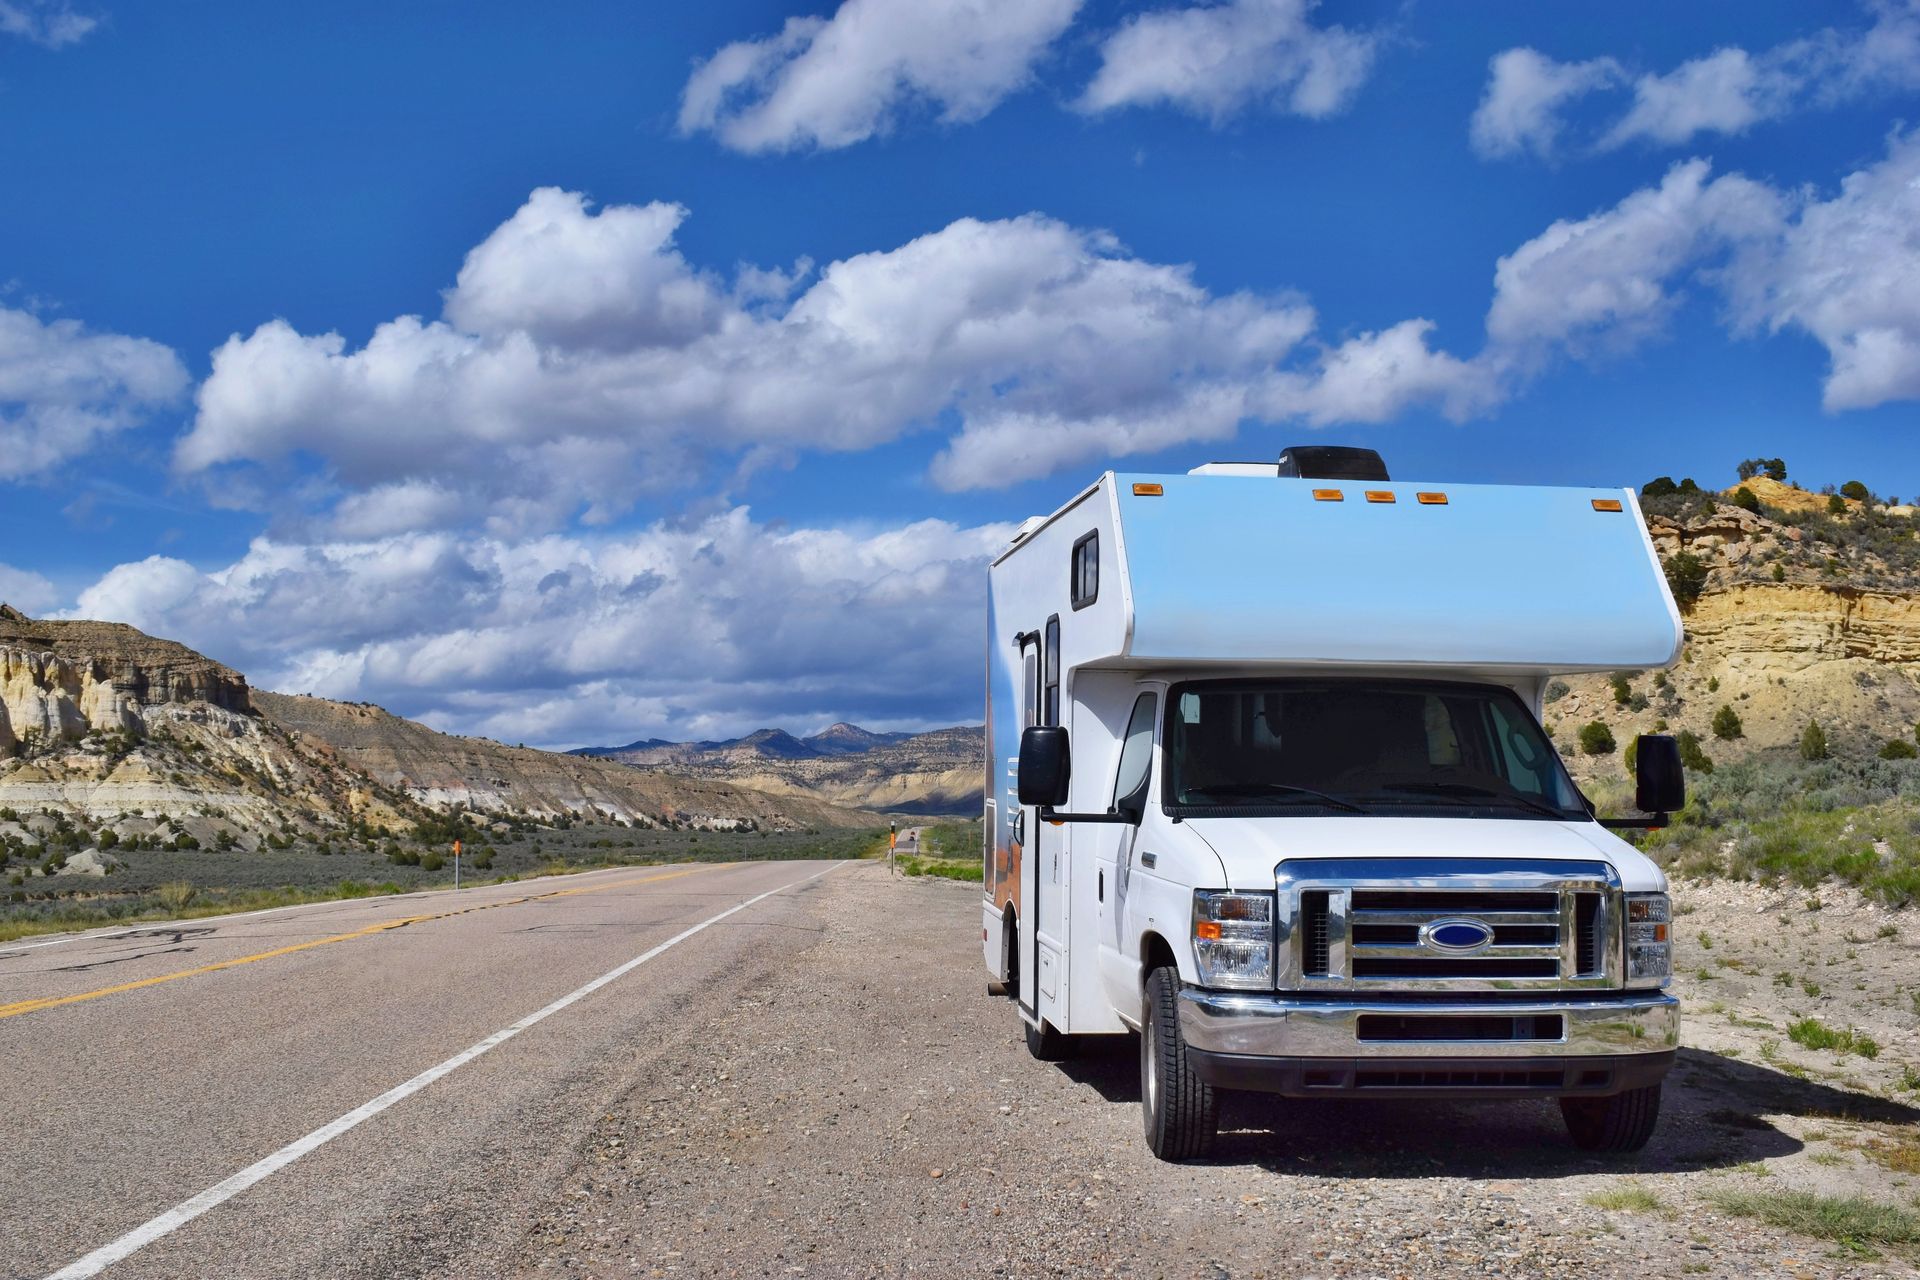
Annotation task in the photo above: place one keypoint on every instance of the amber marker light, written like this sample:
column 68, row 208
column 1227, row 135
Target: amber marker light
column 1148, row 490
column 1380, row 495
column 1329, row 495
column 1208, row 930
column 1607, row 504
column 1432, row 499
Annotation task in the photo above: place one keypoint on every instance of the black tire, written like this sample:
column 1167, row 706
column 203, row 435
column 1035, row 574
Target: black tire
column 1622, row 1122
column 1048, row 1045
column 1181, row 1111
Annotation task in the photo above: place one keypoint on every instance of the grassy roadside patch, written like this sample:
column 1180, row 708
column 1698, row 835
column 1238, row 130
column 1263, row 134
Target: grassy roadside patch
column 1850, row 1221
column 946, row 868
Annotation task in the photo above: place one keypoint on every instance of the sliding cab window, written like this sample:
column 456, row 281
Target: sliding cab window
column 1136, row 756
column 1051, row 714
column 1085, row 570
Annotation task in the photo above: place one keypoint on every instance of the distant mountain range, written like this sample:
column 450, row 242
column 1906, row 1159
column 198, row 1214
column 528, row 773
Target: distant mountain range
column 933, row 773
column 842, row 739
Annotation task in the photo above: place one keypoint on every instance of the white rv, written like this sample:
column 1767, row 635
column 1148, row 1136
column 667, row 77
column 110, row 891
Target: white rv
column 1267, row 786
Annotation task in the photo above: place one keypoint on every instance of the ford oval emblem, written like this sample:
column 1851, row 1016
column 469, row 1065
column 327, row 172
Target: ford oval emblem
column 1456, row 936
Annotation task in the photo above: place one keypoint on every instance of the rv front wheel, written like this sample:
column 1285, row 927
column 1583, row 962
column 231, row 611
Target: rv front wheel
column 1180, row 1108
column 1622, row 1122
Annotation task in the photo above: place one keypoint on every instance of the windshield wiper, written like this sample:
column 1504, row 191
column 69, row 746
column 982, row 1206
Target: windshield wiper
column 1283, row 788
column 1465, row 789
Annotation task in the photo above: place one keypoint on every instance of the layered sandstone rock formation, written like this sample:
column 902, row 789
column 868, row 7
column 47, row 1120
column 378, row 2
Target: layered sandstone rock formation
column 100, row 720
column 1798, row 622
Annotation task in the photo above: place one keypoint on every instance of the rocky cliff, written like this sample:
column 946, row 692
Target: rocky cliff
column 1801, row 616
column 99, row 720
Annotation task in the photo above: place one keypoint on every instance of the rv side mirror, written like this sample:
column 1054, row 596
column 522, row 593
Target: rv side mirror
column 1660, row 784
column 1044, row 766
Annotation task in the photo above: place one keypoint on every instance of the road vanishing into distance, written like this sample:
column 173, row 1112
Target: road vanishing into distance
column 765, row 1069
column 314, row 1090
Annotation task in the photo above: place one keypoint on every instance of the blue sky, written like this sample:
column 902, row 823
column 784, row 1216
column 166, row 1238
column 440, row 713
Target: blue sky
column 744, row 329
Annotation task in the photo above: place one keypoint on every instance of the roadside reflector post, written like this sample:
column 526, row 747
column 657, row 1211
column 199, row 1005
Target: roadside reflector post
column 456, row 864
column 893, row 841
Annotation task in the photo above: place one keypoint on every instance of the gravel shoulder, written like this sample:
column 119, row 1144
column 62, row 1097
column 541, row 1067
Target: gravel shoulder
column 858, row 1105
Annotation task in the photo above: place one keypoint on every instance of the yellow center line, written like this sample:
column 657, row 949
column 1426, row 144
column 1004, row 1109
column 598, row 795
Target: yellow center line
column 19, row 1007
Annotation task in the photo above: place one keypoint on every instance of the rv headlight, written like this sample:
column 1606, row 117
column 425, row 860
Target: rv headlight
column 1233, row 939
column 1649, row 940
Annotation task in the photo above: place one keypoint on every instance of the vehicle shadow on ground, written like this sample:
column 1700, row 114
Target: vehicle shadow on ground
column 1714, row 1115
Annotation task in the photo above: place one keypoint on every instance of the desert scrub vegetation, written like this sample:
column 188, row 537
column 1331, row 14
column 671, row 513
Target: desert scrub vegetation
column 1852, row 1221
column 1802, row 822
column 1812, row 1033
column 946, row 868
column 1630, row 1197
column 955, row 839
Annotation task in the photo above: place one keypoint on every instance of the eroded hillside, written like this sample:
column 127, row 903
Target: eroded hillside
column 100, row 722
column 1801, row 616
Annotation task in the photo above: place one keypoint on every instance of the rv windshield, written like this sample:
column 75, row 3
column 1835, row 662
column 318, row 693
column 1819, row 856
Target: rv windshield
column 1314, row 747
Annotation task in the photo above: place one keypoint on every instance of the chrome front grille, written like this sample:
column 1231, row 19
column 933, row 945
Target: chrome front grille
column 1374, row 924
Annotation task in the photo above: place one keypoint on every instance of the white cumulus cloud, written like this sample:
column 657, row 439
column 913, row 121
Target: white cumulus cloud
column 1726, row 91
column 25, row 590
column 715, row 626
column 582, row 360
column 1847, row 272
column 833, row 82
column 1216, row 60
column 52, row 23
column 1844, row 270
column 64, row 388
column 1526, row 90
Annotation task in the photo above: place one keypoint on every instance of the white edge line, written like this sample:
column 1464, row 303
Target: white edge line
column 161, row 926
column 187, row 1210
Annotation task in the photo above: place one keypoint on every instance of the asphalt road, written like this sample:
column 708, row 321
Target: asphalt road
column 324, row 1054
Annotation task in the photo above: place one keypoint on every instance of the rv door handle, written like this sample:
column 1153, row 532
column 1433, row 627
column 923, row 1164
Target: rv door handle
column 1149, row 859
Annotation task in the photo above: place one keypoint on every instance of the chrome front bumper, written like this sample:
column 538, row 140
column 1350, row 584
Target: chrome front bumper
column 1274, row 1026
column 1575, row 1044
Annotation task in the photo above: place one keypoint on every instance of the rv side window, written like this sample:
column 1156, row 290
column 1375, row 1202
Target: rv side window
column 1052, row 708
column 1136, row 754
column 1085, row 571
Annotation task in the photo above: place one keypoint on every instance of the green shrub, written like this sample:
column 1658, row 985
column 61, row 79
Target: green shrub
column 1898, row 749
column 1836, row 505
column 1744, row 498
column 1813, row 742
column 1855, row 490
column 1622, row 691
column 1596, row 739
column 1815, row 1034
column 1631, row 756
column 1686, row 576
column 1726, row 724
column 1692, row 755
column 432, row 860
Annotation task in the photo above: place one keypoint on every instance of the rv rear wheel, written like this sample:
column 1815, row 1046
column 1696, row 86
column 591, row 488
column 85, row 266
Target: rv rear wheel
column 1180, row 1109
column 1622, row 1122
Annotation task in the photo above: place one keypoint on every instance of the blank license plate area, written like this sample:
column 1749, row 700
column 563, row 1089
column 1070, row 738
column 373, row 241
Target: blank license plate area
column 1385, row 1027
